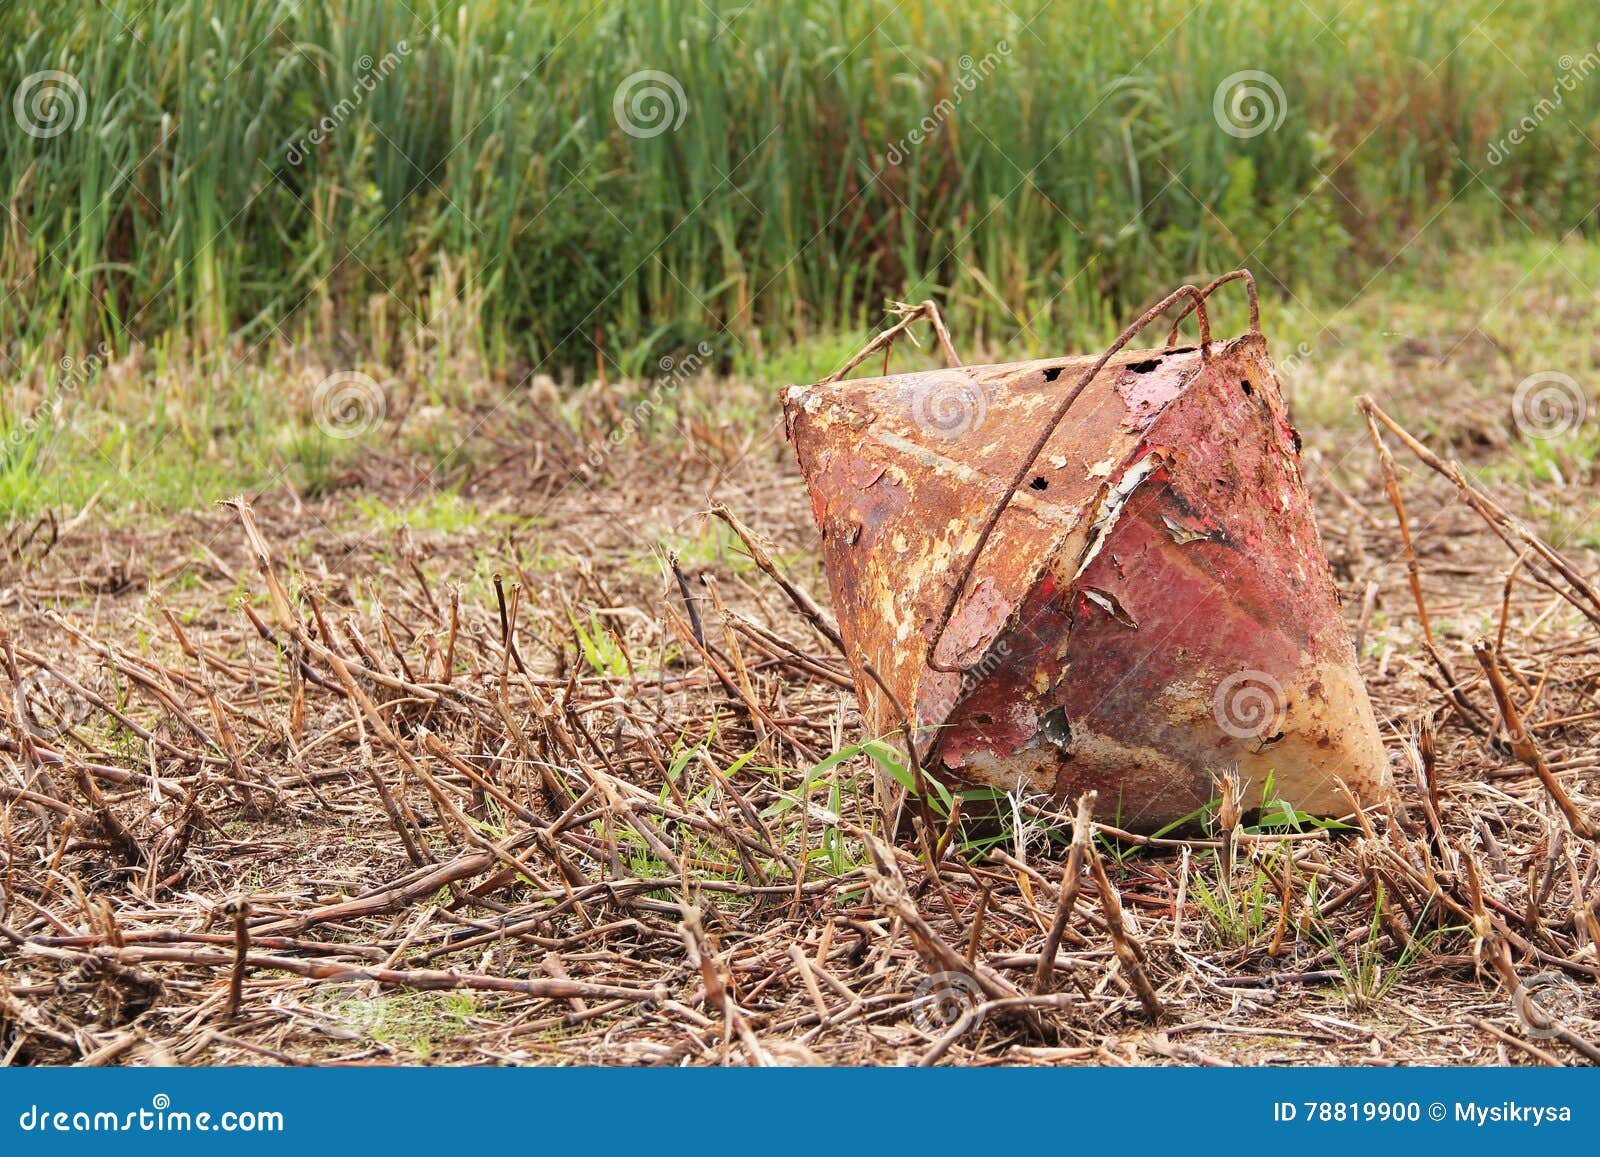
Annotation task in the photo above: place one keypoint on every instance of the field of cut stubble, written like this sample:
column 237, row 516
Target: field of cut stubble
column 488, row 740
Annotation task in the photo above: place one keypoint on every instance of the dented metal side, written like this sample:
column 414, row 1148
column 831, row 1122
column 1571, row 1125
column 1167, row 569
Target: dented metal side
column 1153, row 610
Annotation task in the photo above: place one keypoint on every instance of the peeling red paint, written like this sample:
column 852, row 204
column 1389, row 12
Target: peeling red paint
column 1170, row 552
column 1147, row 388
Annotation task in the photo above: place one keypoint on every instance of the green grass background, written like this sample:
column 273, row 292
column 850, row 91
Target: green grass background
column 1082, row 173
column 182, row 262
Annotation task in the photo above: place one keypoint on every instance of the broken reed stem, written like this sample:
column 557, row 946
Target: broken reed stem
column 1517, row 1042
column 1391, row 485
column 1578, row 592
column 1071, row 882
column 32, row 766
column 1523, row 745
column 421, row 979
column 701, row 952
column 1230, row 812
column 1127, row 951
column 908, row 315
column 890, row 892
column 238, row 910
column 282, row 609
column 1505, row 602
column 800, row 599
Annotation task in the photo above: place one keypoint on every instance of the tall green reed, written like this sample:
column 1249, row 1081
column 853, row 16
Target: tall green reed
column 284, row 171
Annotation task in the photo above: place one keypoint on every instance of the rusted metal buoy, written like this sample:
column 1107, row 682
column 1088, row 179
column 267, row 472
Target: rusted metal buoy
column 1091, row 573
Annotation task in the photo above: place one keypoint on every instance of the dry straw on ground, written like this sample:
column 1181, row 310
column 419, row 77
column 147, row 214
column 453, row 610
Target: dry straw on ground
column 279, row 788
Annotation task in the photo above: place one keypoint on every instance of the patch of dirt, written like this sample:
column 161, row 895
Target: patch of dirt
column 541, row 778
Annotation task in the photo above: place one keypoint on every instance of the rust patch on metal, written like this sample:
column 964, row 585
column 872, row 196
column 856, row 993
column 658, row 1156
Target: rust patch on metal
column 1152, row 610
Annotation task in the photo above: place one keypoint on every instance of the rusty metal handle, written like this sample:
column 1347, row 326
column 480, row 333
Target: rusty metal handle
column 1250, row 292
column 1197, row 305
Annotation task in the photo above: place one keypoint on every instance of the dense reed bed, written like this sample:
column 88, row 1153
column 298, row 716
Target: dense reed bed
column 224, row 176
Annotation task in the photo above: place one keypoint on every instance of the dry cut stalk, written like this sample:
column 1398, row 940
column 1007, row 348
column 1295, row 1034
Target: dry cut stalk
column 1523, row 745
column 890, row 892
column 237, row 910
column 282, row 609
column 702, row 954
column 1071, row 881
column 803, row 602
column 1578, row 592
column 418, row 978
column 908, row 315
column 1127, row 951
